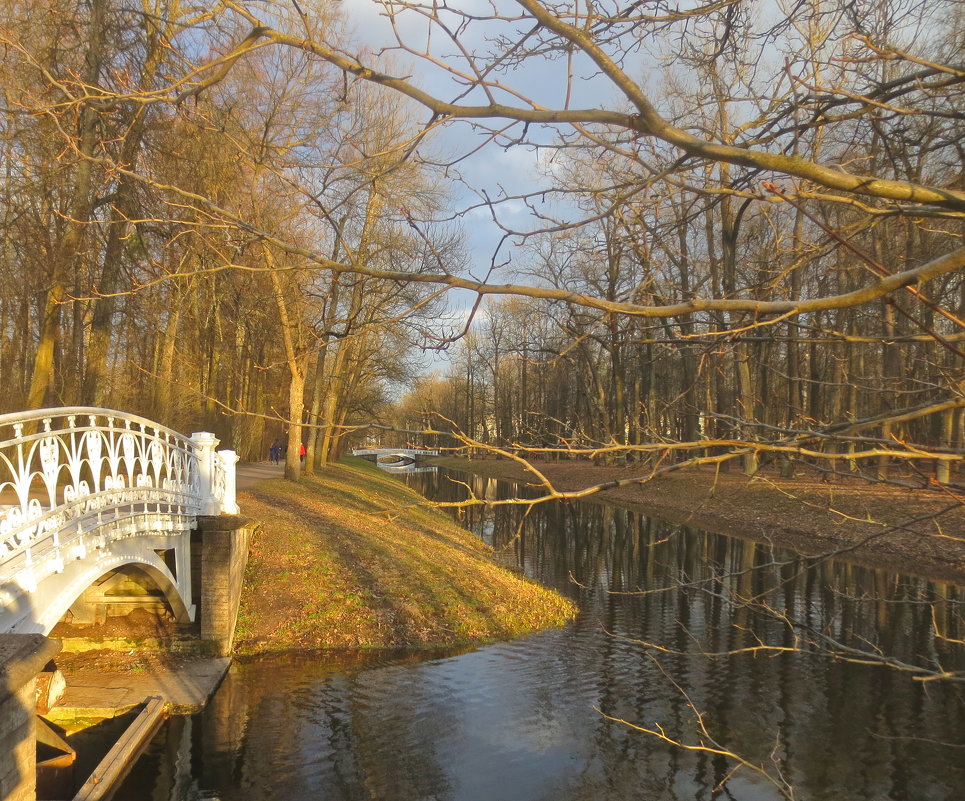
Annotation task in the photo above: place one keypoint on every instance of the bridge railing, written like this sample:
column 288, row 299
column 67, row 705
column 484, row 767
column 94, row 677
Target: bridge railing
column 72, row 477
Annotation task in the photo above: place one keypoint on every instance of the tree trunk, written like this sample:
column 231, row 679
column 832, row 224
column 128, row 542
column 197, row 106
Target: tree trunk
column 164, row 384
column 296, row 405
column 68, row 249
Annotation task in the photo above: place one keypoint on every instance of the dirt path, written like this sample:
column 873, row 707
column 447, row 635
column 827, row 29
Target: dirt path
column 920, row 531
column 247, row 474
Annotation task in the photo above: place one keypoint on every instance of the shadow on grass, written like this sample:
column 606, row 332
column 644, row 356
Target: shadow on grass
column 415, row 580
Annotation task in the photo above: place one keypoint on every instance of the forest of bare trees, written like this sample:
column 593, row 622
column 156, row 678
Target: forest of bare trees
column 741, row 240
column 734, row 311
column 123, row 287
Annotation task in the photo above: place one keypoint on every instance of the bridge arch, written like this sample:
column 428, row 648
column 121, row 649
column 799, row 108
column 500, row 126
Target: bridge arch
column 64, row 594
column 87, row 491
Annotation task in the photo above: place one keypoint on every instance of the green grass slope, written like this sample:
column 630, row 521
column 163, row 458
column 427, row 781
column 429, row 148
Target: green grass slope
column 344, row 560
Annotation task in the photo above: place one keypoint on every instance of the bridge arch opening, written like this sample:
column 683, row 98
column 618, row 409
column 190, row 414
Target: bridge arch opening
column 134, row 599
column 396, row 459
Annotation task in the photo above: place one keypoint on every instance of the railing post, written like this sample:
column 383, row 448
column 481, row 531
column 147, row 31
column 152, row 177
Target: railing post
column 204, row 444
column 229, row 504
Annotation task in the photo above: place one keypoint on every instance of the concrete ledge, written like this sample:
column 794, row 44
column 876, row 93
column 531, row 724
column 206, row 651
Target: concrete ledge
column 22, row 657
column 176, row 644
column 92, row 695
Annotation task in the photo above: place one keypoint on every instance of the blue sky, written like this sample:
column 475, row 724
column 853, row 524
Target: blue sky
column 496, row 170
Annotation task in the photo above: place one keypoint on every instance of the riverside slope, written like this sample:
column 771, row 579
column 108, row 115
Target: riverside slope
column 349, row 558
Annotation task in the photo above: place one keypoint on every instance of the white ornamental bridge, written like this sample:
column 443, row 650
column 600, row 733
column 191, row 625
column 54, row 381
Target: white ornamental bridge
column 403, row 453
column 87, row 491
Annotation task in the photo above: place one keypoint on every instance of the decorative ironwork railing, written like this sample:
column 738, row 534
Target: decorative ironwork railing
column 72, row 478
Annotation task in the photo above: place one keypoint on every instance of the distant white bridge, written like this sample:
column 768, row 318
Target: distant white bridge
column 87, row 491
column 402, row 453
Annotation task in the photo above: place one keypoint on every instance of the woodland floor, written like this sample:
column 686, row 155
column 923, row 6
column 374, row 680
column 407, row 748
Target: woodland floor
column 913, row 530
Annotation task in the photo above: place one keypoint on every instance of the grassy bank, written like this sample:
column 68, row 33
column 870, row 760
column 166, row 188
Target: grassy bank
column 910, row 530
column 341, row 563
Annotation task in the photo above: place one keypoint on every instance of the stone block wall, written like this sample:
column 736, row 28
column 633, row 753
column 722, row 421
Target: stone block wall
column 22, row 657
column 224, row 555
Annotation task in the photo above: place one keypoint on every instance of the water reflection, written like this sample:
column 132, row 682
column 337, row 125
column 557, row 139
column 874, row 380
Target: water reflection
column 519, row 720
column 731, row 593
column 407, row 469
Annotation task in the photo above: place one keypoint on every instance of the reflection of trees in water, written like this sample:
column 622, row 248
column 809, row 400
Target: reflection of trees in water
column 829, row 724
column 393, row 746
column 293, row 727
column 725, row 591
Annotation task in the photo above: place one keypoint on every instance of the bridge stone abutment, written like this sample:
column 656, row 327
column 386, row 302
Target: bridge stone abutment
column 22, row 657
column 219, row 556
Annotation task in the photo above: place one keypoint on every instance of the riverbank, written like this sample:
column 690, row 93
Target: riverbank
column 910, row 530
column 346, row 559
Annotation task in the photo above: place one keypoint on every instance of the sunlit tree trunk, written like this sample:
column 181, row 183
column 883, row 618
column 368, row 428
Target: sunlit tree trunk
column 296, row 373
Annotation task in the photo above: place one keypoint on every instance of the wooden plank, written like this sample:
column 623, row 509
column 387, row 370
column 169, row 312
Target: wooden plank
column 45, row 735
column 115, row 766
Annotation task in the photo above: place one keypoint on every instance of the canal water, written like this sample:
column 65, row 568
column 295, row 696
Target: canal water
column 586, row 712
